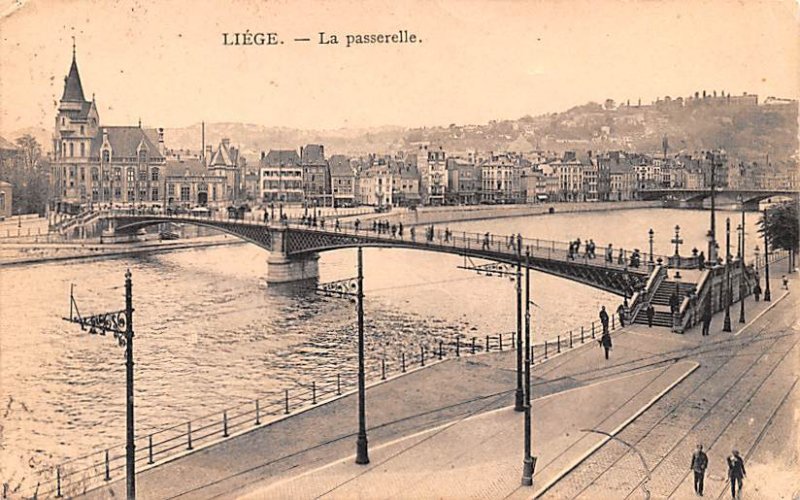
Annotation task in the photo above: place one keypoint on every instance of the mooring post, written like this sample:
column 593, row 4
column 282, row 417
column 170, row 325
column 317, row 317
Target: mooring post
column 286, row 401
column 150, row 449
column 188, row 435
column 108, row 467
column 458, row 347
column 258, row 413
column 224, row 424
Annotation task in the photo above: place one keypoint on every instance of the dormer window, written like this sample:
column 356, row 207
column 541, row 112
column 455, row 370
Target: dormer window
column 142, row 156
column 106, row 156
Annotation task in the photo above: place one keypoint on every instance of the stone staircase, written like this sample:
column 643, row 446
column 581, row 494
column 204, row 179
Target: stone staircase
column 660, row 301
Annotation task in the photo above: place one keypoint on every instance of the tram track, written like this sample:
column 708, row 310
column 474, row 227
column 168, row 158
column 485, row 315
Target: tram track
column 596, row 468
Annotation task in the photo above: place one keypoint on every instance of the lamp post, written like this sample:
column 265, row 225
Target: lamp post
column 650, row 233
column 677, row 241
column 726, row 326
column 519, row 397
column 528, row 462
column 742, row 285
column 712, row 245
column 120, row 324
column 362, row 455
column 767, row 293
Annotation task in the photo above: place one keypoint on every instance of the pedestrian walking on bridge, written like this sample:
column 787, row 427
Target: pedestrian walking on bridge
column 699, row 466
column 736, row 472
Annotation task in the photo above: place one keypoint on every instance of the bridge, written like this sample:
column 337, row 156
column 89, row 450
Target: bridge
column 693, row 198
column 294, row 248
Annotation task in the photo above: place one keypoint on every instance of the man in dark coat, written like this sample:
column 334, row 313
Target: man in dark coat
column 605, row 341
column 604, row 319
column 651, row 311
column 736, row 472
column 699, row 465
column 757, row 291
column 706, row 320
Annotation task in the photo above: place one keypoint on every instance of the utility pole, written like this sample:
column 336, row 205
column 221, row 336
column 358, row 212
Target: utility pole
column 114, row 322
column 529, row 462
column 712, row 245
column 130, row 445
column 767, row 293
column 741, row 275
column 726, row 327
column 362, row 455
column 519, row 397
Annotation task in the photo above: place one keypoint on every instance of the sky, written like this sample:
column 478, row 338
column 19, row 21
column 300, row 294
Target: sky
column 165, row 62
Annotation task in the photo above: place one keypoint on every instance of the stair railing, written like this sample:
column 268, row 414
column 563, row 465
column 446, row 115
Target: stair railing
column 643, row 297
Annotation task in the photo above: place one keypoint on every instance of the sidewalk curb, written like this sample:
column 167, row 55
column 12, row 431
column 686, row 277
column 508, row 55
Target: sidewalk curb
column 602, row 442
column 773, row 304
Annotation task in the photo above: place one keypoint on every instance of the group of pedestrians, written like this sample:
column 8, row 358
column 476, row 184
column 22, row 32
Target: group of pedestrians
column 589, row 249
column 736, row 470
column 384, row 227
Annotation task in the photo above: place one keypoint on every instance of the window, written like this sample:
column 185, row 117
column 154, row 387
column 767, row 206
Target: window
column 171, row 189
column 214, row 193
column 154, row 174
column 131, row 175
column 117, row 193
column 143, row 156
column 131, row 195
column 143, row 174
column 142, row 195
column 117, row 174
column 154, row 194
column 184, row 193
column 82, row 132
column 95, row 174
column 71, row 149
column 63, row 121
column 106, row 156
column 83, row 172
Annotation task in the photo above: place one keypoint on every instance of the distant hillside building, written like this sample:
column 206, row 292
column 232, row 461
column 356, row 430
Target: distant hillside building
column 343, row 181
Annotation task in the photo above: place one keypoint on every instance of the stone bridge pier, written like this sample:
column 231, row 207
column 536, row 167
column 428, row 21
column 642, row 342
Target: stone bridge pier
column 284, row 270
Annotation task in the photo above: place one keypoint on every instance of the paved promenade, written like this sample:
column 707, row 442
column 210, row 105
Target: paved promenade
column 447, row 431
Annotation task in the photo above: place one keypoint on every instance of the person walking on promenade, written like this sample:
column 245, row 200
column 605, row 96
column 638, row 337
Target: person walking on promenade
column 485, row 242
column 605, row 342
column 706, row 320
column 651, row 311
column 621, row 314
column 604, row 319
column 736, row 472
column 673, row 303
column 400, row 229
column 785, row 282
column 699, row 465
column 610, row 254
column 413, row 233
column 757, row 291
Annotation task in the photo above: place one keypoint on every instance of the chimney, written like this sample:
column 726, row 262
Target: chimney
column 105, row 135
column 263, row 155
column 161, row 147
column 226, row 142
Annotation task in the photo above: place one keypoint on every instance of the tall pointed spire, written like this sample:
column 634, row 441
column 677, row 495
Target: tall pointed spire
column 73, row 90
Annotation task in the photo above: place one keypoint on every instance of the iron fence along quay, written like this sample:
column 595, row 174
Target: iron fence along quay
column 80, row 474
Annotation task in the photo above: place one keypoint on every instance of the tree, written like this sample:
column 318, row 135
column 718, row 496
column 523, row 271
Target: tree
column 28, row 174
column 783, row 228
column 30, row 151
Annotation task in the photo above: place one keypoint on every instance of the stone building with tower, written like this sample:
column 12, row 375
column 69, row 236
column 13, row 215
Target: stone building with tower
column 96, row 164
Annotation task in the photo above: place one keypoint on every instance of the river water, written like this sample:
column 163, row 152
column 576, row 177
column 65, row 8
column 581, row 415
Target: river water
column 209, row 333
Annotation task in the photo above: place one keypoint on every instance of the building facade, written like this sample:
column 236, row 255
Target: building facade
column 281, row 177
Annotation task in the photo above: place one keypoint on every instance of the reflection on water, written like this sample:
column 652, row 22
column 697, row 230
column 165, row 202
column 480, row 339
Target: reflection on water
column 209, row 333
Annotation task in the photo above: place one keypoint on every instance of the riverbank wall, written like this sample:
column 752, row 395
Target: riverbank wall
column 27, row 254
column 442, row 215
